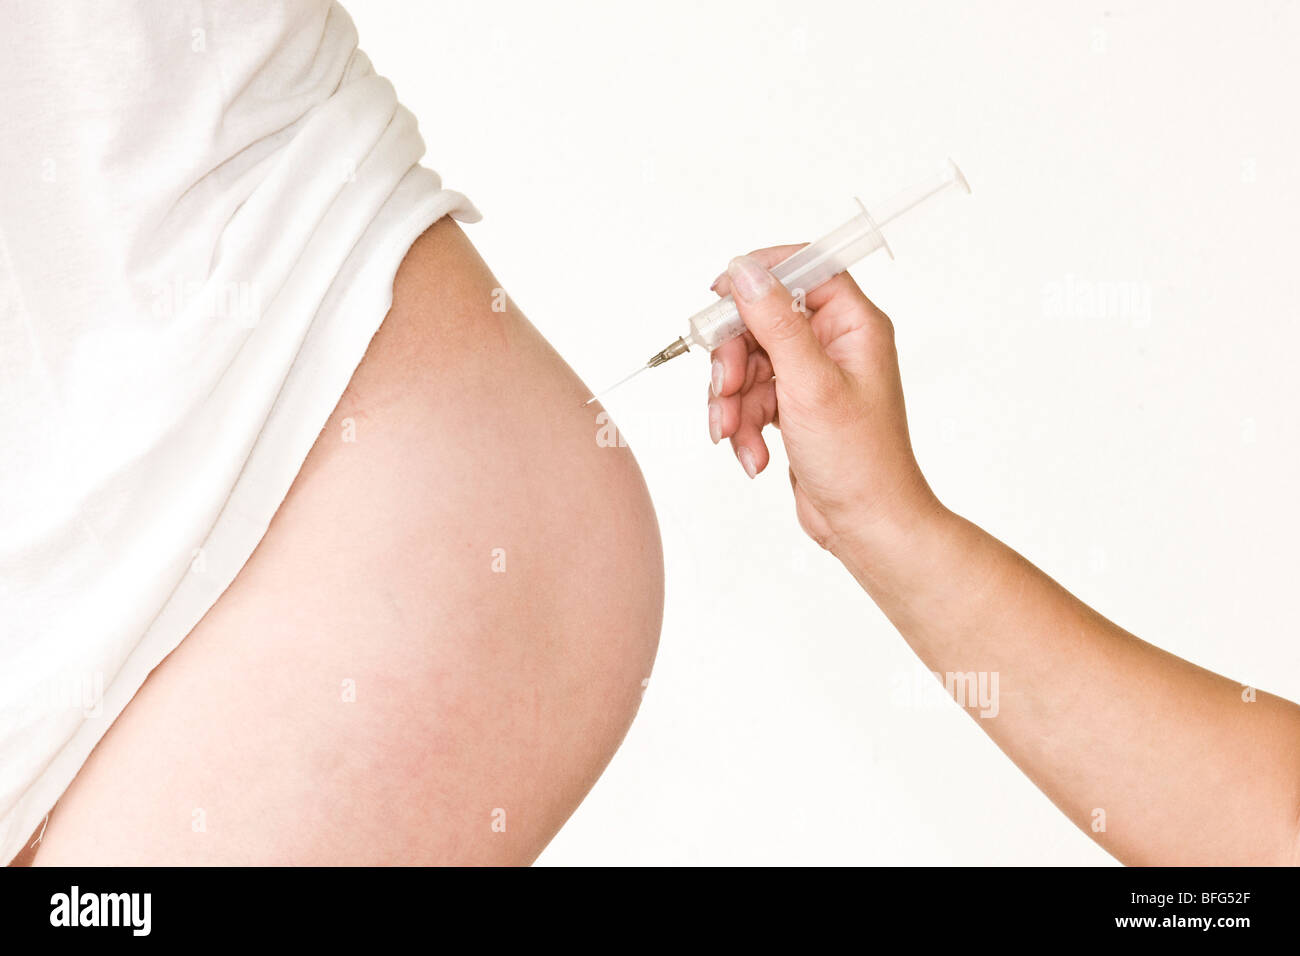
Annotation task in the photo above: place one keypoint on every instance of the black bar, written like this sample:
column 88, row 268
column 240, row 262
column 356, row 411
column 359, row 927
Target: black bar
column 967, row 906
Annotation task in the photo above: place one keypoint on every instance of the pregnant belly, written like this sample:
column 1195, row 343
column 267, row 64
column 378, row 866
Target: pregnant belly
column 440, row 641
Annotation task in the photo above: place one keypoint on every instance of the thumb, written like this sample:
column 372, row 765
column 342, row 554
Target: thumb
column 777, row 325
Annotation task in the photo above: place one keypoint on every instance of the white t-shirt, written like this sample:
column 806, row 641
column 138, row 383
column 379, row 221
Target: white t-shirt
column 202, row 208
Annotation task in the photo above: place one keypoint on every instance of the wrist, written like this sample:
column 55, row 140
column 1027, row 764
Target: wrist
column 871, row 539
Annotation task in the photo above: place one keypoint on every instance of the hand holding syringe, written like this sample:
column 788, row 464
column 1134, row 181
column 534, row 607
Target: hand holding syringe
column 809, row 267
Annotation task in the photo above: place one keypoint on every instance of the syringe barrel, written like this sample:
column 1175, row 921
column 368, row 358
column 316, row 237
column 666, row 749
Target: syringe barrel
column 804, row 271
column 822, row 260
column 716, row 324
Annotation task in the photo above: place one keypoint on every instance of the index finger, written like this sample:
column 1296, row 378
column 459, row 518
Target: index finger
column 814, row 299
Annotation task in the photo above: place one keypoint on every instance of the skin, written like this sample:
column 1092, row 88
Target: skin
column 1187, row 766
column 476, row 691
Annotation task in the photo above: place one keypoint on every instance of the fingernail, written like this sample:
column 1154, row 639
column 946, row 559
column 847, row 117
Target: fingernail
column 715, row 422
column 714, row 286
column 747, row 461
column 716, row 382
column 749, row 280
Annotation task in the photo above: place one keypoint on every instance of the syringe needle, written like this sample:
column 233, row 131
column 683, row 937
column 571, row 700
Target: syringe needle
column 615, row 385
column 680, row 347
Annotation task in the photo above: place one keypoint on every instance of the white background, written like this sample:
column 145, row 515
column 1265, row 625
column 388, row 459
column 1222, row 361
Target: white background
column 1144, row 453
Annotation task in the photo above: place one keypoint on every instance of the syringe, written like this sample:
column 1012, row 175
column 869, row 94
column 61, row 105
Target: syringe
column 809, row 267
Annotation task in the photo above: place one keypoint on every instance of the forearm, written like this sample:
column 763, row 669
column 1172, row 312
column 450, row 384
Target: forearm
column 1179, row 765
